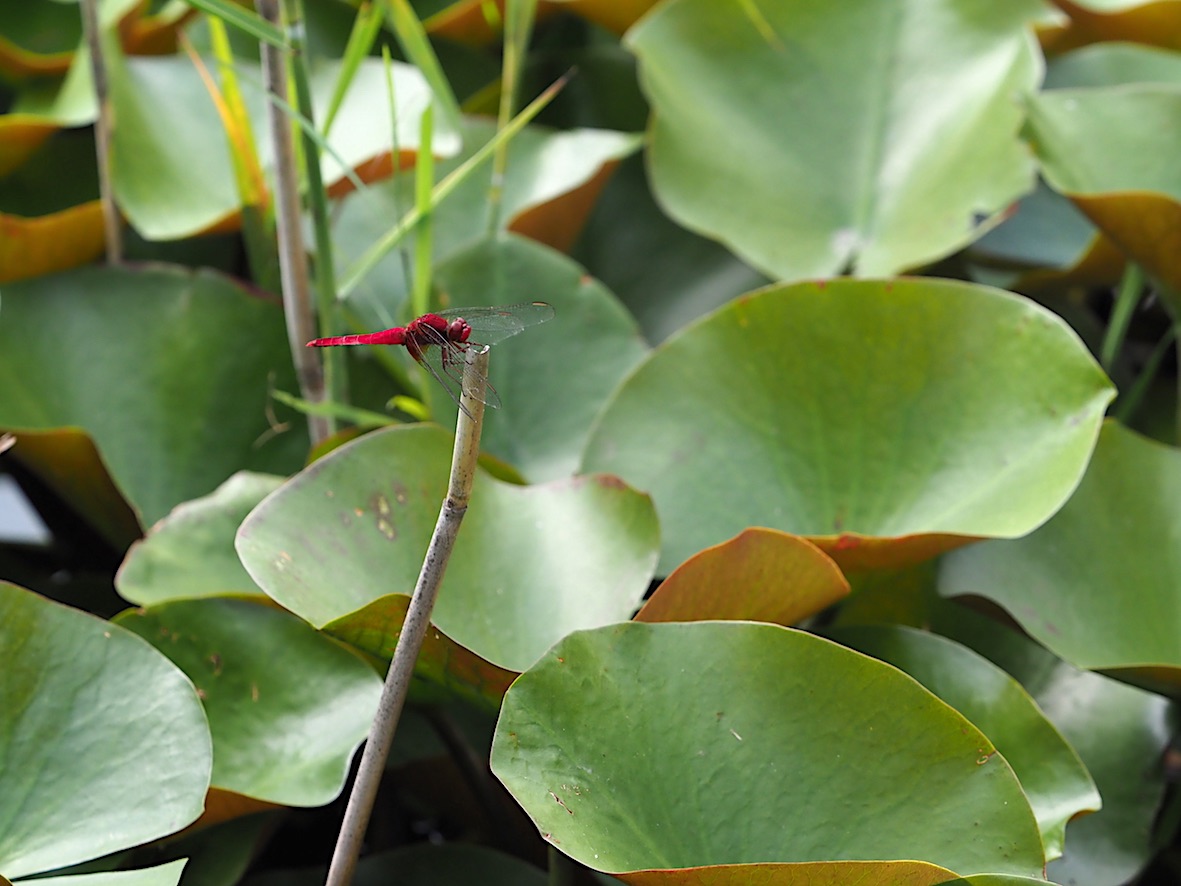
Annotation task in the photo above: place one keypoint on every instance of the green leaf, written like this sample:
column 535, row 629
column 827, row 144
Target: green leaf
column 1095, row 586
column 77, row 781
column 543, row 165
column 530, row 565
column 287, row 706
column 667, row 276
column 552, row 380
column 1108, row 150
column 1054, row 779
column 638, row 746
column 161, row 875
column 1113, row 64
column 165, row 368
column 1114, row 728
column 888, row 421
column 870, row 136
column 173, row 175
column 190, row 553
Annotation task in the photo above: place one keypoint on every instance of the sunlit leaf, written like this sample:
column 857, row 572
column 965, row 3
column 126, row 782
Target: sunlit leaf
column 287, row 707
column 812, row 409
column 866, row 136
column 637, row 746
column 1097, row 583
column 77, row 781
column 531, row 563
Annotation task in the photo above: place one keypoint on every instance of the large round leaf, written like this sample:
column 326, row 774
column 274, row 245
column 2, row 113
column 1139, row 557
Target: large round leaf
column 1108, row 149
column 165, row 368
column 1114, row 727
column 103, row 740
column 886, row 420
column 814, row 138
column 530, row 565
column 1098, row 583
column 287, row 706
column 190, row 553
column 1052, row 776
column 716, row 743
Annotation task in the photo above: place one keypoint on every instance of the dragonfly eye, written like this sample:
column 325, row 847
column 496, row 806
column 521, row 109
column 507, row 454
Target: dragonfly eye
column 458, row 330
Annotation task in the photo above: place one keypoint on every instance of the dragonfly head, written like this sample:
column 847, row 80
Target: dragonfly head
column 458, row 330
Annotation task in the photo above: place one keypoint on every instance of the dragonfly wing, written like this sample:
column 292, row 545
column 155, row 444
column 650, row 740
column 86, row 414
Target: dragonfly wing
column 445, row 361
column 492, row 325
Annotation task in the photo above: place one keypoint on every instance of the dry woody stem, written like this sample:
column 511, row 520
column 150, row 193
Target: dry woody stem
column 414, row 628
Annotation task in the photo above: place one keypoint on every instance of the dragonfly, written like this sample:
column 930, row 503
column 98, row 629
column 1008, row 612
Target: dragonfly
column 440, row 341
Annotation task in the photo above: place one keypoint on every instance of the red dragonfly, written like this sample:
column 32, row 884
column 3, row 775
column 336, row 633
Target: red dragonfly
column 440, row 341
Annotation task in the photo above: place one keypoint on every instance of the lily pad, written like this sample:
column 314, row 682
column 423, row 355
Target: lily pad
column 531, row 563
column 190, row 553
column 887, row 421
column 1113, row 726
column 287, row 706
column 161, row 875
column 141, row 358
column 693, row 727
column 814, row 139
column 1108, row 149
column 1054, row 779
column 103, row 739
column 1095, row 587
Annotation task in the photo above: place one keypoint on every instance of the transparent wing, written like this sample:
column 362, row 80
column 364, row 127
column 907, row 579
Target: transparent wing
column 445, row 360
column 491, row 325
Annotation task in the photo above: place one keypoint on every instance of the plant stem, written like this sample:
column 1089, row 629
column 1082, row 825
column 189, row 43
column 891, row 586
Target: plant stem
column 1131, row 287
column 103, row 132
column 443, row 189
column 561, row 867
column 334, row 365
column 518, row 27
column 293, row 267
column 414, row 628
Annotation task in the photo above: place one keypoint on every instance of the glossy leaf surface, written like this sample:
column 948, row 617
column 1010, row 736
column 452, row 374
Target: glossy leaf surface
column 77, row 781
column 1097, row 584
column 814, row 139
column 1114, row 727
column 681, row 729
column 811, row 408
column 287, row 707
column 1052, row 776
column 531, row 563
column 190, row 553
column 141, row 359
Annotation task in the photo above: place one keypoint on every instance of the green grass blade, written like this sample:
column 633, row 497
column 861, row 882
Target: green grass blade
column 414, row 42
column 243, row 20
column 366, row 26
column 443, row 189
